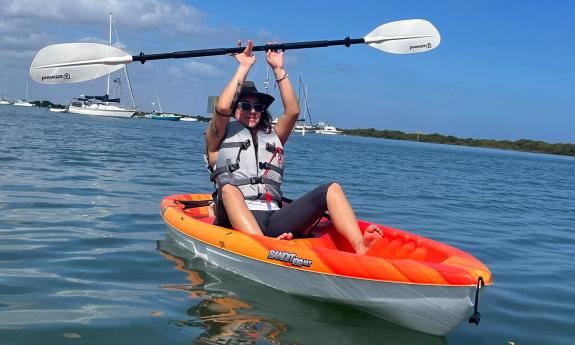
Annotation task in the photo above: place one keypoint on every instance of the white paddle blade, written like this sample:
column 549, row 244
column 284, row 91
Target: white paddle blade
column 404, row 37
column 76, row 62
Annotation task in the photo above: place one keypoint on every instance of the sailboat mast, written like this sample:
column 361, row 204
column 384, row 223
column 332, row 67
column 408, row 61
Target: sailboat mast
column 306, row 111
column 299, row 92
column 130, row 86
column 306, row 95
column 110, row 43
column 159, row 104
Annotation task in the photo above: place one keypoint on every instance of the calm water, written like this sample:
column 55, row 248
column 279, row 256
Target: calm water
column 84, row 257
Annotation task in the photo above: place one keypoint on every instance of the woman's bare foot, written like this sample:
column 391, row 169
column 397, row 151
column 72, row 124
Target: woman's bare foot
column 372, row 233
column 285, row 236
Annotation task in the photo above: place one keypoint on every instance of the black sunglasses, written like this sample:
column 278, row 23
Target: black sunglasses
column 247, row 106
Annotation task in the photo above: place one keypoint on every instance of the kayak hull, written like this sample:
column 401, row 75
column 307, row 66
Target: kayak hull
column 429, row 308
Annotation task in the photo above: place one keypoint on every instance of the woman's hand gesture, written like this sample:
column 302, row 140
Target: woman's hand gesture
column 247, row 57
column 274, row 58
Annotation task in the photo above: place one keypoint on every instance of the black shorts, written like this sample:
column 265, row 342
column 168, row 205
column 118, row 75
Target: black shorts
column 297, row 217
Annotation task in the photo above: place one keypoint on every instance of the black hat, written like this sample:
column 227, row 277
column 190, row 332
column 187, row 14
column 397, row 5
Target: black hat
column 249, row 89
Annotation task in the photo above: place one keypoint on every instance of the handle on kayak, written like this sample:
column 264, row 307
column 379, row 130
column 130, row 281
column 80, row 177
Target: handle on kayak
column 476, row 316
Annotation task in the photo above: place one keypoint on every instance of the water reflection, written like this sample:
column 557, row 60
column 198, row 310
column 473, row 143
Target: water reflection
column 230, row 309
column 217, row 313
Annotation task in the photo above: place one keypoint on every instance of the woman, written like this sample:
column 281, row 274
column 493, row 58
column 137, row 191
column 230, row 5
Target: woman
column 245, row 156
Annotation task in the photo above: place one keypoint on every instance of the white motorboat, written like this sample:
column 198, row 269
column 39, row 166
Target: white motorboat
column 57, row 110
column 327, row 129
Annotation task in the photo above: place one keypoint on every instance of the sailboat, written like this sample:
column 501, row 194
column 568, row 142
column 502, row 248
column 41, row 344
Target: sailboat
column 24, row 102
column 301, row 126
column 104, row 105
column 3, row 99
column 154, row 115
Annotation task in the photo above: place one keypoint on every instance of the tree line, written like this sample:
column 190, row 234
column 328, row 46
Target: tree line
column 517, row 145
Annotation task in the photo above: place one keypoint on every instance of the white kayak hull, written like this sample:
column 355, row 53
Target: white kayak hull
column 432, row 309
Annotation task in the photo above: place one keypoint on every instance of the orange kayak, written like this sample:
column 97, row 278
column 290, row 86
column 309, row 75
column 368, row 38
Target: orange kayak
column 413, row 281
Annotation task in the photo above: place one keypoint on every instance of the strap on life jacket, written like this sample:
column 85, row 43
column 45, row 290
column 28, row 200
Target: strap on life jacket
column 244, row 145
column 268, row 166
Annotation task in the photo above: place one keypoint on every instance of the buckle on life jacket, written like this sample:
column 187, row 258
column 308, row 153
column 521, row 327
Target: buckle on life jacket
column 271, row 147
column 256, row 180
column 246, row 144
column 233, row 167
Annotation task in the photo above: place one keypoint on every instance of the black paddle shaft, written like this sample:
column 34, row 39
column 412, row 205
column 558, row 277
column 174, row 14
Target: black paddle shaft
column 223, row 51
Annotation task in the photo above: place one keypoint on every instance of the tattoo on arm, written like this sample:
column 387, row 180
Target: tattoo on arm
column 214, row 128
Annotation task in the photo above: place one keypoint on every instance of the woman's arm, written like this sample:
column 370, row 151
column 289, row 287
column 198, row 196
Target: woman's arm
column 287, row 120
column 222, row 112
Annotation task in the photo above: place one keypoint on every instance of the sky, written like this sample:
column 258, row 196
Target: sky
column 503, row 70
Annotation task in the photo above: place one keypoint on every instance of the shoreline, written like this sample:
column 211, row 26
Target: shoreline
column 524, row 145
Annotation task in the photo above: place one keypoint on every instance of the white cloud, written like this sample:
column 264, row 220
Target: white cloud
column 173, row 16
column 29, row 41
column 194, row 69
column 201, row 69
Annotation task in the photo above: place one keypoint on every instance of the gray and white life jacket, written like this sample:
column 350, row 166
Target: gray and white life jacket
column 257, row 174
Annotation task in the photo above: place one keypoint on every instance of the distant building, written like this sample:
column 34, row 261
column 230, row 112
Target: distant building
column 212, row 100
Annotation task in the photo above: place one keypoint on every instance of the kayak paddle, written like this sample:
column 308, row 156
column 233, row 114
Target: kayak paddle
column 77, row 62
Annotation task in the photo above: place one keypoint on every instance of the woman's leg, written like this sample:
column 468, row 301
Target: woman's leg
column 237, row 211
column 301, row 214
column 345, row 223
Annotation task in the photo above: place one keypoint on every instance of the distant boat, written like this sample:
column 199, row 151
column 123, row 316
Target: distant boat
column 324, row 128
column 300, row 126
column 57, row 110
column 328, row 130
column 188, row 119
column 104, row 105
column 303, row 128
column 162, row 116
column 4, row 100
column 155, row 115
column 24, row 102
column 99, row 106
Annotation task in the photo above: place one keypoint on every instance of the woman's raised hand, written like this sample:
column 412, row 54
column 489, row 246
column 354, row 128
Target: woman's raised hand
column 247, row 57
column 274, row 58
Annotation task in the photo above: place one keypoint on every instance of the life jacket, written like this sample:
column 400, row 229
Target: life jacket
column 257, row 174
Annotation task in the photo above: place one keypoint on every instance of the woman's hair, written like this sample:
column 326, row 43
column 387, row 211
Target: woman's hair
column 265, row 123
